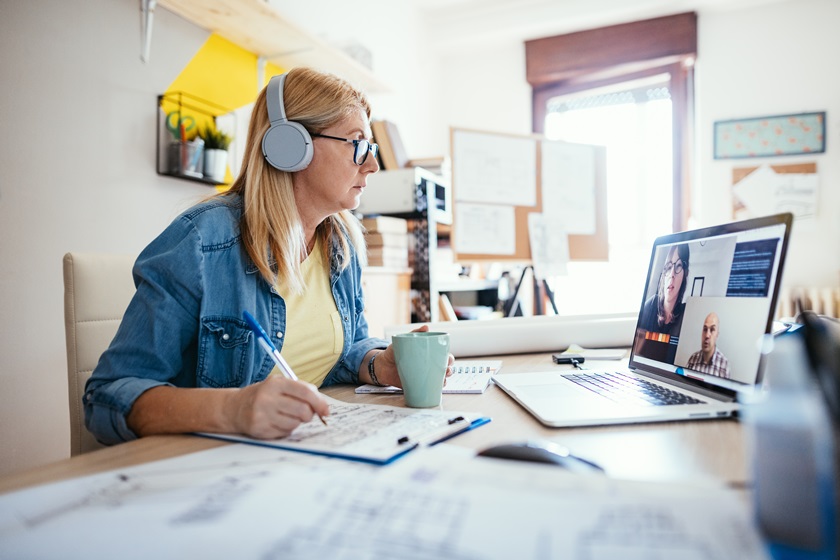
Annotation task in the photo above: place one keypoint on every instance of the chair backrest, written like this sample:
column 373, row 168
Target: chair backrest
column 97, row 290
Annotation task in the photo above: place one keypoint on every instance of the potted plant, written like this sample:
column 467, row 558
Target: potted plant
column 216, row 144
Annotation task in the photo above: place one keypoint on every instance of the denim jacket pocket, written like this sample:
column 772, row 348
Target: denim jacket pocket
column 224, row 353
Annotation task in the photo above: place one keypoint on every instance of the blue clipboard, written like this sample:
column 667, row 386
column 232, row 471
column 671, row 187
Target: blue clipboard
column 402, row 446
column 471, row 426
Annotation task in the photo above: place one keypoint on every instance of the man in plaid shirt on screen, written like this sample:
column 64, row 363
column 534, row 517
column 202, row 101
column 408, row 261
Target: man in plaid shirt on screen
column 709, row 359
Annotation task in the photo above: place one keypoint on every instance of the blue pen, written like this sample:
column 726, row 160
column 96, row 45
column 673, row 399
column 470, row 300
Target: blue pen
column 271, row 350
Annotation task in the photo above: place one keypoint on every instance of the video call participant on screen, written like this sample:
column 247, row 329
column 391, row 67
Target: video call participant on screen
column 662, row 313
column 709, row 358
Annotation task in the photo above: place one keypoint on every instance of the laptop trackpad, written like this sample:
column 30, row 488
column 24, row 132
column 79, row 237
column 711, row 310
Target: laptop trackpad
column 558, row 402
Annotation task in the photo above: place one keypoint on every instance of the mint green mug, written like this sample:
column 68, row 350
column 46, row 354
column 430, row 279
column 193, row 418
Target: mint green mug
column 421, row 359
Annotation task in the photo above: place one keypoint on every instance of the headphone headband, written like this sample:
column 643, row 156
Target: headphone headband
column 274, row 99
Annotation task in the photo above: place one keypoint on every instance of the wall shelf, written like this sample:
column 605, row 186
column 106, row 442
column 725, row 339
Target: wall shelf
column 175, row 157
column 257, row 27
column 202, row 180
column 406, row 194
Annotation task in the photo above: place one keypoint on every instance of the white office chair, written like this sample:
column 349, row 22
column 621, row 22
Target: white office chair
column 97, row 289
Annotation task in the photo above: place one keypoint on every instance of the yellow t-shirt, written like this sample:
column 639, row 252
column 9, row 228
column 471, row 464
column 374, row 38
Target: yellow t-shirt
column 314, row 337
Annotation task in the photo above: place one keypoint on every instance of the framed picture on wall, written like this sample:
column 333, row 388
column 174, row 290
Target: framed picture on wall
column 780, row 135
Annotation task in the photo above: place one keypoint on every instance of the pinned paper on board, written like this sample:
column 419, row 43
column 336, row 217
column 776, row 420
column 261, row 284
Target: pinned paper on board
column 485, row 229
column 549, row 246
column 770, row 189
column 568, row 186
column 499, row 169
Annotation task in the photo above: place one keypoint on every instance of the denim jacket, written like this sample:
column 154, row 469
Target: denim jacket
column 184, row 325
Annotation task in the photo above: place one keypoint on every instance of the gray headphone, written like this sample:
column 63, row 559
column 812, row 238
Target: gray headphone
column 286, row 145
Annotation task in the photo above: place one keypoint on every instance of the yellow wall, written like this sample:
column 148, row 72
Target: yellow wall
column 222, row 74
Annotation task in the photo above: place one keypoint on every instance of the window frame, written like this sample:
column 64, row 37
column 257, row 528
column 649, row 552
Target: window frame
column 567, row 64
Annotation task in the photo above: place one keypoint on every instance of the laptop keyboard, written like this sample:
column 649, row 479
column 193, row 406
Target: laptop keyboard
column 625, row 389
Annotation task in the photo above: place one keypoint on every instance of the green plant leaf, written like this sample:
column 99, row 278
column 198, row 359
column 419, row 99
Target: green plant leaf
column 215, row 139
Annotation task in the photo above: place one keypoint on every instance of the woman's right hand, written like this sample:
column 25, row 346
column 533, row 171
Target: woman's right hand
column 273, row 408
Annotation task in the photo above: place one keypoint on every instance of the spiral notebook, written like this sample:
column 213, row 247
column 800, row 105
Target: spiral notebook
column 468, row 377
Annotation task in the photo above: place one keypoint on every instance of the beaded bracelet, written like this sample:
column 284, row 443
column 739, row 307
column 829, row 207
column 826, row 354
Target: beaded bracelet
column 372, row 373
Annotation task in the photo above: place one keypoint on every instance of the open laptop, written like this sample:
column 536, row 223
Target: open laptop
column 709, row 297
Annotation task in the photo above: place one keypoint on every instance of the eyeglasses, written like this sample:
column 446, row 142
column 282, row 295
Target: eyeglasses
column 673, row 268
column 361, row 147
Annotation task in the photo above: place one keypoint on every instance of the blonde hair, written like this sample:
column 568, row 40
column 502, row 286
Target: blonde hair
column 271, row 228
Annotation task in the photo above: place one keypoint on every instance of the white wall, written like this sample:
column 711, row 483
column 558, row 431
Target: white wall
column 394, row 34
column 486, row 89
column 77, row 158
column 779, row 59
column 77, row 173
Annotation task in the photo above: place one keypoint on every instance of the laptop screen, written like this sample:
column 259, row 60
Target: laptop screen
column 709, row 298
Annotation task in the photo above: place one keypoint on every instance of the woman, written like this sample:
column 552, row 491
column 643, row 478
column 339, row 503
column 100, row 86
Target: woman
column 282, row 245
column 663, row 311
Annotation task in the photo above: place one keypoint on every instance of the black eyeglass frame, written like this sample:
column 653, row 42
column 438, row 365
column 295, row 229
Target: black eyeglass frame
column 672, row 267
column 358, row 153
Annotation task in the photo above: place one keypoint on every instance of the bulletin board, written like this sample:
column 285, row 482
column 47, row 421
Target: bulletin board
column 486, row 165
column 779, row 188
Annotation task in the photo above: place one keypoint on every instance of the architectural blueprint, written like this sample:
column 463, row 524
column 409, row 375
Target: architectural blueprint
column 241, row 501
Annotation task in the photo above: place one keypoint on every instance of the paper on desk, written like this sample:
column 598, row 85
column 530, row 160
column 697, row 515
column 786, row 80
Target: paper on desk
column 249, row 502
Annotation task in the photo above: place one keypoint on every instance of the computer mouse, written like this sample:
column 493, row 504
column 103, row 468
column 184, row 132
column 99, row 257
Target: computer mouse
column 541, row 452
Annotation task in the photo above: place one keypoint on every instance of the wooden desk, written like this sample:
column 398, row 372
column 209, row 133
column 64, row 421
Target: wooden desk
column 675, row 451
column 671, row 451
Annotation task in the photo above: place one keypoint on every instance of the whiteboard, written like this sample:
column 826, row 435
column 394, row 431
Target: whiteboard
column 503, row 174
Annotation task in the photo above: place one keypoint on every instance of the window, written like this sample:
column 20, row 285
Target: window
column 587, row 60
column 626, row 87
column 634, row 122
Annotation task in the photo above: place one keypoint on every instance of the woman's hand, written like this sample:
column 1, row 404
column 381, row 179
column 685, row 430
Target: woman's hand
column 385, row 365
column 274, row 407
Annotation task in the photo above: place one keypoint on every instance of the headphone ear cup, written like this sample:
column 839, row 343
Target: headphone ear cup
column 287, row 146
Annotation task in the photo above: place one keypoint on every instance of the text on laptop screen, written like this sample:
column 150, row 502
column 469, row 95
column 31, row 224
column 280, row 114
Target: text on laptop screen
column 707, row 303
